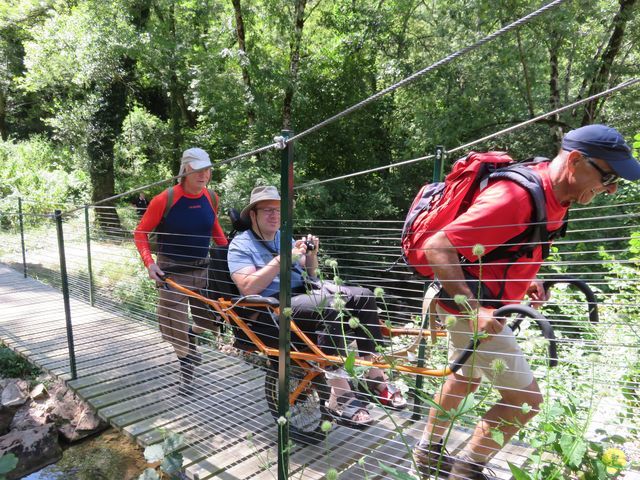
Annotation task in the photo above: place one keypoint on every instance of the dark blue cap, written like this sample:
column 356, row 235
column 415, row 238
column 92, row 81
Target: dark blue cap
column 600, row 141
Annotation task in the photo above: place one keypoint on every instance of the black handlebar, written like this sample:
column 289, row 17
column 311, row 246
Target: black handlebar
column 592, row 301
column 521, row 310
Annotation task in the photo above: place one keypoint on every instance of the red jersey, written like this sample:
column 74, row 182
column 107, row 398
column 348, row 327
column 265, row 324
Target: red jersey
column 497, row 214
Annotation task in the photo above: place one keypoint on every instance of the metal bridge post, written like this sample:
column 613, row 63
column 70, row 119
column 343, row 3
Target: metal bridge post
column 24, row 250
column 89, row 266
column 438, row 166
column 65, row 295
column 286, row 235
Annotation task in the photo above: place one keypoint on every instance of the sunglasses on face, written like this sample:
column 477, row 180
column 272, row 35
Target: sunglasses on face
column 606, row 178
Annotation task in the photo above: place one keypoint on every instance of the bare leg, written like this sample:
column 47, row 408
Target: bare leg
column 453, row 391
column 506, row 416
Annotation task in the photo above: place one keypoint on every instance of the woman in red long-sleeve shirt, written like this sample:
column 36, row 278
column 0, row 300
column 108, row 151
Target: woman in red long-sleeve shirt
column 184, row 233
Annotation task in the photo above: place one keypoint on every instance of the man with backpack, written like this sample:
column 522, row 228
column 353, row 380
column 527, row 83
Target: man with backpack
column 461, row 255
column 181, row 221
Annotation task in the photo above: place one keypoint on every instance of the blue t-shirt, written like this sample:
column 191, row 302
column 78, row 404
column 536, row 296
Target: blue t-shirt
column 246, row 250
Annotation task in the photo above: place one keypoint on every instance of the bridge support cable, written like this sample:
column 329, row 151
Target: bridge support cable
column 448, row 59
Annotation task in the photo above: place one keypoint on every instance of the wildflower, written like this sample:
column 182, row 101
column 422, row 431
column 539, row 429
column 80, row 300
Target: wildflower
column 498, row 366
column 337, row 280
column 361, row 461
column 331, row 263
column 287, row 312
column 325, row 426
column 460, row 299
column 282, row 421
column 450, row 321
column 354, row 323
column 526, row 408
column 338, row 303
column 478, row 250
column 378, row 292
column 332, row 474
column 615, row 459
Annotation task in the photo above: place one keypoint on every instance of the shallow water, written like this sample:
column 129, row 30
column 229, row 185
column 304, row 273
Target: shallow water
column 108, row 456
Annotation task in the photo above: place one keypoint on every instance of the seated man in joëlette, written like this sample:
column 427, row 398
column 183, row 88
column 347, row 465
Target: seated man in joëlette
column 254, row 263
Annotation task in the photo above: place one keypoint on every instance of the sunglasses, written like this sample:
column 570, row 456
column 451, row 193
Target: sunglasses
column 606, row 178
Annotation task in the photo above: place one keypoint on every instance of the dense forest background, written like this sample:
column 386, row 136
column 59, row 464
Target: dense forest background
column 101, row 96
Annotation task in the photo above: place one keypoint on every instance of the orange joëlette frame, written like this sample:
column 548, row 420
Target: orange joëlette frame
column 225, row 308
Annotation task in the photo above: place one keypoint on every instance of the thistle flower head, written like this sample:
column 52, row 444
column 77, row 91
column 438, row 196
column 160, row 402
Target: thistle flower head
column 325, row 426
column 478, row 250
column 498, row 366
column 450, row 321
column 378, row 292
column 354, row 323
column 282, row 421
column 331, row 263
column 332, row 474
column 338, row 303
column 460, row 299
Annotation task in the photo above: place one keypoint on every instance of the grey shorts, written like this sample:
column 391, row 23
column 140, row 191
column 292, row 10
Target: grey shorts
column 503, row 346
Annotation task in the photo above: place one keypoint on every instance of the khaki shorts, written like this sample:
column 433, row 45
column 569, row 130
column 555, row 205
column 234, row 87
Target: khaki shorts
column 503, row 346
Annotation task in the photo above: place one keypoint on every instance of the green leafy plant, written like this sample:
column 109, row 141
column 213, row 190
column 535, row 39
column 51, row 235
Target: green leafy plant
column 15, row 366
column 8, row 463
column 167, row 455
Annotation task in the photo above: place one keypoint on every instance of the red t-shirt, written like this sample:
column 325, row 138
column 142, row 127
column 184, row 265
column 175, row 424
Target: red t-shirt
column 499, row 213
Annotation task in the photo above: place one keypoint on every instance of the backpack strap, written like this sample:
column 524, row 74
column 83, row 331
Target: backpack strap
column 215, row 200
column 169, row 204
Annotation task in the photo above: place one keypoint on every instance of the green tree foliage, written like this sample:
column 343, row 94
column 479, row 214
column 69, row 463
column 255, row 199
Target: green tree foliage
column 124, row 86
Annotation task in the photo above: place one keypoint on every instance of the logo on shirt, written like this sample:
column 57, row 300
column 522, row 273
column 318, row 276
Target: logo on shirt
column 195, row 206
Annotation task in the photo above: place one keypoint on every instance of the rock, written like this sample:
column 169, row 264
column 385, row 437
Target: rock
column 13, row 395
column 84, row 424
column 35, row 448
column 74, row 418
column 29, row 416
column 38, row 391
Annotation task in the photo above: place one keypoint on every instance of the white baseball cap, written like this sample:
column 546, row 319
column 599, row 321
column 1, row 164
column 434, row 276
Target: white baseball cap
column 196, row 158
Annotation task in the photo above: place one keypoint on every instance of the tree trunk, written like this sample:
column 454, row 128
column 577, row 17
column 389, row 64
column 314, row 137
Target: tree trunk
column 3, row 116
column 600, row 79
column 106, row 126
column 246, row 78
column 527, row 77
column 554, row 93
column 294, row 63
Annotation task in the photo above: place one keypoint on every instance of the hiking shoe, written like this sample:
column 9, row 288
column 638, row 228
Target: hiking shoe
column 432, row 460
column 463, row 468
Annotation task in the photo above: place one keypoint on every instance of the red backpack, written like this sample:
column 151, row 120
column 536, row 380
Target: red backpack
column 438, row 204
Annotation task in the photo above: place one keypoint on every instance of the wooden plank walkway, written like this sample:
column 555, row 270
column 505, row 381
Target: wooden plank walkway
column 129, row 375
